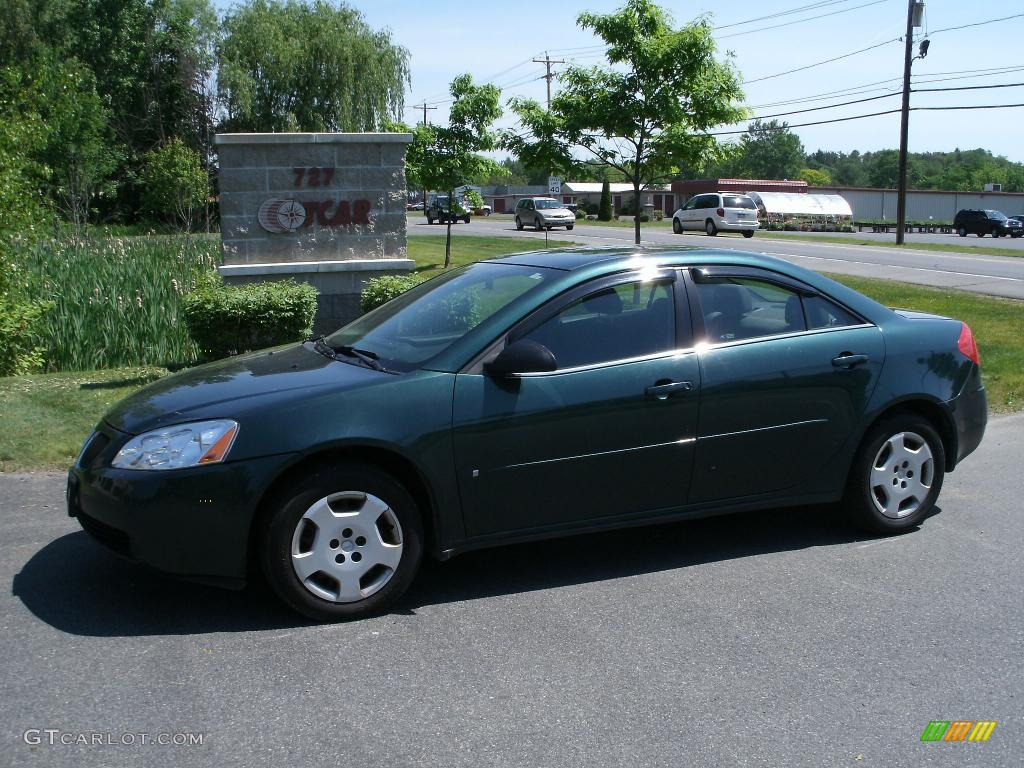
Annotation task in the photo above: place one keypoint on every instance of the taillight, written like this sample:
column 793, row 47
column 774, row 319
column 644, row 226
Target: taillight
column 721, row 212
column 967, row 345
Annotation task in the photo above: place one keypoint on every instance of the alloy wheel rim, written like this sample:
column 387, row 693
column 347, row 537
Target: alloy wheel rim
column 346, row 546
column 901, row 475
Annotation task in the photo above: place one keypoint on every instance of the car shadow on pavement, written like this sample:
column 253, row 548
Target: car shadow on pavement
column 76, row 586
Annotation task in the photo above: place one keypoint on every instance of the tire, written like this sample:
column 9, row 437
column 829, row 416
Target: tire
column 996, row 233
column 962, row 232
column 353, row 512
column 710, row 228
column 677, row 227
column 568, row 227
column 466, row 219
column 430, row 220
column 519, row 224
column 906, row 448
column 537, row 225
column 748, row 233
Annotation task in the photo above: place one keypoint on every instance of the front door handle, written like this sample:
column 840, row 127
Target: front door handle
column 663, row 389
column 849, row 360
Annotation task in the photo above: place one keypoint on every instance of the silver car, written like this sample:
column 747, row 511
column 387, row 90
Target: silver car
column 543, row 213
column 717, row 212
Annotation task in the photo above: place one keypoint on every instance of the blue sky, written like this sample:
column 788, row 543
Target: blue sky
column 495, row 42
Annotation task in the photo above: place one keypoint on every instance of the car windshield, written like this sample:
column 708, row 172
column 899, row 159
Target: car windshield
column 996, row 215
column 738, row 201
column 545, row 204
column 423, row 322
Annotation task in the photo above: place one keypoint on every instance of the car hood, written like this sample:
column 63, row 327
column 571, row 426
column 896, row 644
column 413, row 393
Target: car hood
column 223, row 388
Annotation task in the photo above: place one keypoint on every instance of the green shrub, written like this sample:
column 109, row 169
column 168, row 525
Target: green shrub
column 644, row 218
column 580, row 213
column 380, row 290
column 20, row 332
column 225, row 320
column 604, row 212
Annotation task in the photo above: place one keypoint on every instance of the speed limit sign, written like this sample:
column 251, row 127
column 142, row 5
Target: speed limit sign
column 554, row 185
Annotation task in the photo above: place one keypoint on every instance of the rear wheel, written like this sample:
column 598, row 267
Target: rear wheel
column 568, row 227
column 710, row 228
column 519, row 224
column 962, row 232
column 748, row 233
column 430, row 219
column 677, row 227
column 342, row 542
column 466, row 219
column 896, row 476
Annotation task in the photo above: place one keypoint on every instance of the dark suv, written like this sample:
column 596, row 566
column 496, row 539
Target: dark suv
column 970, row 221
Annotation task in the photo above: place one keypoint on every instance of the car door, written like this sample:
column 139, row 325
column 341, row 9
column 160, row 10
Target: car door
column 607, row 435
column 690, row 212
column 786, row 374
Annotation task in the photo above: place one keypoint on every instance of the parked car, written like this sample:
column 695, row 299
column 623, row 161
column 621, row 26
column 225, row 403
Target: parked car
column 543, row 213
column 972, row 221
column 1019, row 220
column 482, row 210
column 417, row 206
column 717, row 212
column 438, row 209
column 533, row 396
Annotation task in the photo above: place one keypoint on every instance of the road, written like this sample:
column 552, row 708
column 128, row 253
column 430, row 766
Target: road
column 993, row 275
column 757, row 640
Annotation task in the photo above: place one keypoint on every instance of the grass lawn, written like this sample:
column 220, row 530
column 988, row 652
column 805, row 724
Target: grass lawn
column 428, row 250
column 44, row 418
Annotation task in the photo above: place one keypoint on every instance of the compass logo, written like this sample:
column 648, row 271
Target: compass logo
column 281, row 216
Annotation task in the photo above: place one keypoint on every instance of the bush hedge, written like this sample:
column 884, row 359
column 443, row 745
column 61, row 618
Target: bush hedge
column 380, row 290
column 20, row 332
column 225, row 320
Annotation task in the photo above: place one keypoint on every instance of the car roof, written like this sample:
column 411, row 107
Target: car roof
column 616, row 258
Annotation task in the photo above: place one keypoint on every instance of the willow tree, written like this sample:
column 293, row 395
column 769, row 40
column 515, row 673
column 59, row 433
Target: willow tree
column 646, row 113
column 307, row 66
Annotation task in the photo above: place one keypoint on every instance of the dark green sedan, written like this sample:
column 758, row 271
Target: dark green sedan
column 531, row 396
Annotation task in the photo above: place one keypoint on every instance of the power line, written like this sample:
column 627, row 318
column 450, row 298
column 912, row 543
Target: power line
column 800, row 21
column 976, row 24
column 811, row 7
column 819, row 63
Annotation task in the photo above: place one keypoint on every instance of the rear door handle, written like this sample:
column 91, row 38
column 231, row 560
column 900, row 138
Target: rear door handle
column 663, row 389
column 849, row 360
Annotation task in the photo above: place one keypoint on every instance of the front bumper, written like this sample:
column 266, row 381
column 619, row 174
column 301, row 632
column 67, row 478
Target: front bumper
column 193, row 523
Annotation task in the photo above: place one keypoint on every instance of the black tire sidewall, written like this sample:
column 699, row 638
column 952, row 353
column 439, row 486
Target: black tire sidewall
column 288, row 508
column 858, row 502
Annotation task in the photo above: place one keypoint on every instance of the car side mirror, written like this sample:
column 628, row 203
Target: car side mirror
column 523, row 356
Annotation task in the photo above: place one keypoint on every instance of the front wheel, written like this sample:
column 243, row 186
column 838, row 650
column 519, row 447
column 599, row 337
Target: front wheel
column 568, row 227
column 748, row 233
column 896, row 475
column 710, row 228
column 342, row 542
column 537, row 225
column 519, row 224
column 430, row 219
column 677, row 227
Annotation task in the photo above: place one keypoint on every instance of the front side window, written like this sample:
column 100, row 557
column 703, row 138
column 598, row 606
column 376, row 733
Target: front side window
column 615, row 323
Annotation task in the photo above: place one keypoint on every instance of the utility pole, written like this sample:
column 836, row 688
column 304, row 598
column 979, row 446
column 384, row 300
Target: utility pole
column 424, row 107
column 914, row 8
column 547, row 61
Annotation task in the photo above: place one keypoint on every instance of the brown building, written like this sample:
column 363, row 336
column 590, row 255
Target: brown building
column 684, row 190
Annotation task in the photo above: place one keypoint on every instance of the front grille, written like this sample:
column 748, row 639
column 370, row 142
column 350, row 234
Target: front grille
column 110, row 537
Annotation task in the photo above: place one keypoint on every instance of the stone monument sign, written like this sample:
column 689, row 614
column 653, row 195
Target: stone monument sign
column 327, row 209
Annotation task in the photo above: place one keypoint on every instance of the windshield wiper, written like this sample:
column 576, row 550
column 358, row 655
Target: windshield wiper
column 365, row 356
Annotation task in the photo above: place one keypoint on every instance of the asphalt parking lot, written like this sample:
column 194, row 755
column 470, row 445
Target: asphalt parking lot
column 771, row 639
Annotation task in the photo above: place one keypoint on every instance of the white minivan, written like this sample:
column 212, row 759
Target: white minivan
column 717, row 212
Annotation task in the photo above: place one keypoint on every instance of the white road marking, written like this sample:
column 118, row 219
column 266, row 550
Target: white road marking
column 898, row 266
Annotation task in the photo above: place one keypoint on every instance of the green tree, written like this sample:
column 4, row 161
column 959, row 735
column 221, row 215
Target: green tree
column 769, row 150
column 443, row 158
column 290, row 65
column 815, row 177
column 645, row 113
column 604, row 209
column 174, row 183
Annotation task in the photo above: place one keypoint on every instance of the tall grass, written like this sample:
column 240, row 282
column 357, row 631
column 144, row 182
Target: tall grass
column 117, row 300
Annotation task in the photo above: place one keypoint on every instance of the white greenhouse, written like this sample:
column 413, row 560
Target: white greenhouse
column 798, row 210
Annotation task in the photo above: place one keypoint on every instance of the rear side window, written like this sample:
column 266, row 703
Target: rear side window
column 824, row 313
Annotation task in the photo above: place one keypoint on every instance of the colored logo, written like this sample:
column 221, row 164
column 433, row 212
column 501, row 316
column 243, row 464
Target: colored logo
column 958, row 730
column 281, row 216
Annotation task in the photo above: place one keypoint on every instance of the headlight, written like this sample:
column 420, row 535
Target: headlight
column 183, row 445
